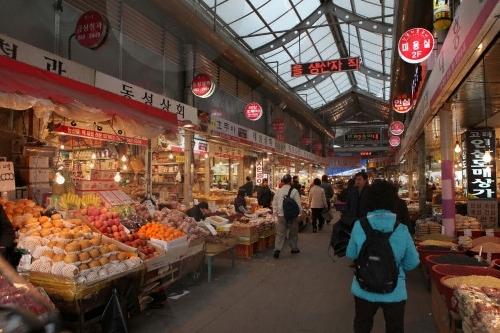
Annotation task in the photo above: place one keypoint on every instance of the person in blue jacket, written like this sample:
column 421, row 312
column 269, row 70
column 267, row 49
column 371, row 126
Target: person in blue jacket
column 381, row 198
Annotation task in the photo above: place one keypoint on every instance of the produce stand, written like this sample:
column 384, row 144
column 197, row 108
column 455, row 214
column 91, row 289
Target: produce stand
column 84, row 302
column 211, row 255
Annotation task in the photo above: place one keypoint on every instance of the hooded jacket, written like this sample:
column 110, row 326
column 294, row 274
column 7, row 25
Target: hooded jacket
column 405, row 253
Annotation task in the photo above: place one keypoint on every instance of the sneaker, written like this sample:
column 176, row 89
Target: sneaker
column 314, row 229
column 295, row 251
column 276, row 254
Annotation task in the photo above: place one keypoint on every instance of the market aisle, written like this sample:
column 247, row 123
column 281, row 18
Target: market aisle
column 307, row 292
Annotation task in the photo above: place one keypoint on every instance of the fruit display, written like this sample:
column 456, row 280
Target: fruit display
column 69, row 201
column 19, row 297
column 133, row 222
column 70, row 249
column 105, row 221
column 19, row 211
column 160, row 231
column 124, row 211
column 142, row 211
column 90, row 199
column 140, row 242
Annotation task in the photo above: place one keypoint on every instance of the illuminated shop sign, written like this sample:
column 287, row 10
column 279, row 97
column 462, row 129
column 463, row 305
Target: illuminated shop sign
column 328, row 66
column 362, row 137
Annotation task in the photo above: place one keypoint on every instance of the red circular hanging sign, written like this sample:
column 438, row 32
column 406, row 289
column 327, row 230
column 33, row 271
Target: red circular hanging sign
column 253, row 111
column 397, row 127
column 278, row 125
column 317, row 145
column 402, row 103
column 202, row 86
column 394, row 141
column 280, row 136
column 416, row 45
column 91, row 30
column 330, row 152
column 305, row 139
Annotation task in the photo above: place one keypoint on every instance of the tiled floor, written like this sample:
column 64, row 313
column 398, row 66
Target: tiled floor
column 307, row 292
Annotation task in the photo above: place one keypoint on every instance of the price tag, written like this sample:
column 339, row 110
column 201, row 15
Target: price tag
column 149, row 205
column 125, row 229
column 468, row 232
column 490, row 232
column 209, row 226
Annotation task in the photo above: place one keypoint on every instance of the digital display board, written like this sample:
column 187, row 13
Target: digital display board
column 362, row 137
column 327, row 66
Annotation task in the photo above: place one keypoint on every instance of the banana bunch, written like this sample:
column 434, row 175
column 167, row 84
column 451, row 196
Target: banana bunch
column 62, row 203
column 89, row 199
column 70, row 200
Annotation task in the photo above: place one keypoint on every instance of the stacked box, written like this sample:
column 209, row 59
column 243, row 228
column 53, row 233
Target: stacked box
column 243, row 230
column 87, row 185
column 249, row 240
column 260, row 245
column 243, row 251
column 102, row 174
column 270, row 240
column 34, row 176
column 39, row 162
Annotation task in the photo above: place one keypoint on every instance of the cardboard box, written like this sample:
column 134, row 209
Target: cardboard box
column 109, row 199
column 102, row 174
column 249, row 240
column 21, row 161
column 106, row 185
column 123, row 197
column 87, row 185
column 243, row 230
column 34, row 176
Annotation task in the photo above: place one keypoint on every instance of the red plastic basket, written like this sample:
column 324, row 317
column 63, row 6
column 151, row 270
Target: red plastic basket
column 438, row 271
column 422, row 254
column 465, row 270
column 496, row 264
column 484, row 255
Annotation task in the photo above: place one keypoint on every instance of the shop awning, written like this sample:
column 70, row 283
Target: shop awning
column 18, row 77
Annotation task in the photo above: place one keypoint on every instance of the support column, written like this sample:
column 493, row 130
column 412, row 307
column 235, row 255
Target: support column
column 410, row 173
column 420, row 144
column 188, row 168
column 447, row 171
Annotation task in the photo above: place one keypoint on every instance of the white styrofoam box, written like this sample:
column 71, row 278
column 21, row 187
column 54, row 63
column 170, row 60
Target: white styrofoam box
column 21, row 161
column 31, row 176
column 87, row 185
column 180, row 242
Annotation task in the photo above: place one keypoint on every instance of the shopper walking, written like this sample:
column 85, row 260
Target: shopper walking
column 328, row 188
column 380, row 198
column 282, row 226
column 317, row 202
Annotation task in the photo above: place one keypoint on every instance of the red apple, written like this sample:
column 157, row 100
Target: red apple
column 120, row 227
column 115, row 229
column 98, row 224
column 91, row 207
column 94, row 212
column 103, row 230
column 105, row 223
column 114, row 215
column 91, row 218
column 109, row 215
column 109, row 230
column 103, row 210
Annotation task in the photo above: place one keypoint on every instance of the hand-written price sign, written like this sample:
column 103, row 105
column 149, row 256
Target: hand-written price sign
column 321, row 67
column 7, row 182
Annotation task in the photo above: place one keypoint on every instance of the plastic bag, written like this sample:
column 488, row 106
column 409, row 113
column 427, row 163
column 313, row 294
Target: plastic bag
column 113, row 317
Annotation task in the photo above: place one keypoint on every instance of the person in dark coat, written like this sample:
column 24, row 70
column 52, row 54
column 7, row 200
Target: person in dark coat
column 356, row 205
column 342, row 197
column 328, row 188
column 248, row 187
column 240, row 204
column 295, row 183
column 7, row 234
column 264, row 194
column 198, row 211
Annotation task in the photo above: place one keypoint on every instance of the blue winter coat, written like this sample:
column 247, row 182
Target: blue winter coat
column 404, row 251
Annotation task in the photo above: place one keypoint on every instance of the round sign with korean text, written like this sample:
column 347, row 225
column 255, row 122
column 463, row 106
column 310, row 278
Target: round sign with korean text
column 402, row 103
column 278, row 125
column 394, row 141
column 280, row 137
column 305, row 139
column 416, row 45
column 330, row 152
column 202, row 86
column 253, row 111
column 397, row 128
column 317, row 145
column 91, row 30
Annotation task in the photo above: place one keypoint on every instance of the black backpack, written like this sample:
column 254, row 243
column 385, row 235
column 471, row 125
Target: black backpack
column 290, row 208
column 376, row 269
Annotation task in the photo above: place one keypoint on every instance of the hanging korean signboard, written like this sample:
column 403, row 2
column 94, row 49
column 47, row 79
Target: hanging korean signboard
column 202, row 86
column 328, row 66
column 330, row 152
column 402, row 103
column 91, row 30
column 253, row 111
column 362, row 137
column 278, row 125
column 394, row 141
column 280, row 137
column 397, row 128
column 98, row 135
column 305, row 139
column 317, row 145
column 416, row 45
column 479, row 177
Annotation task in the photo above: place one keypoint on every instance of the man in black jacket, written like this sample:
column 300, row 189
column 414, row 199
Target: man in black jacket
column 198, row 211
column 248, row 187
column 264, row 194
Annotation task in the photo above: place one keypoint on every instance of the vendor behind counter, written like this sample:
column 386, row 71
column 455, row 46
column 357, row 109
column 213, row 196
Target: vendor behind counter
column 198, row 211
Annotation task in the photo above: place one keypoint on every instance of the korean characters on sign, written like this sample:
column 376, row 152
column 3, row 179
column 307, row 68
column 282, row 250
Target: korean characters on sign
column 402, row 103
column 394, row 141
column 91, row 30
column 397, row 128
column 253, row 111
column 416, row 45
column 202, row 86
column 480, row 176
column 278, row 125
column 327, row 66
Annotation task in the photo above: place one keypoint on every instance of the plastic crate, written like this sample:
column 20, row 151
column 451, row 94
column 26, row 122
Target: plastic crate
column 259, row 245
column 243, row 251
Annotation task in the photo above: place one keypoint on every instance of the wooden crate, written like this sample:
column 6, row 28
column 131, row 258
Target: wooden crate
column 260, row 245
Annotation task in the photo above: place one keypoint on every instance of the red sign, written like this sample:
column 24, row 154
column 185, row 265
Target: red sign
column 328, row 66
column 396, row 127
column 91, row 29
column 280, row 137
column 278, row 125
column 253, row 111
column 416, row 45
column 317, row 145
column 305, row 139
column 85, row 133
column 202, row 86
column 394, row 141
column 402, row 103
column 330, row 152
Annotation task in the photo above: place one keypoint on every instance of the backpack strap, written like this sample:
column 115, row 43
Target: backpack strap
column 290, row 191
column 367, row 227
